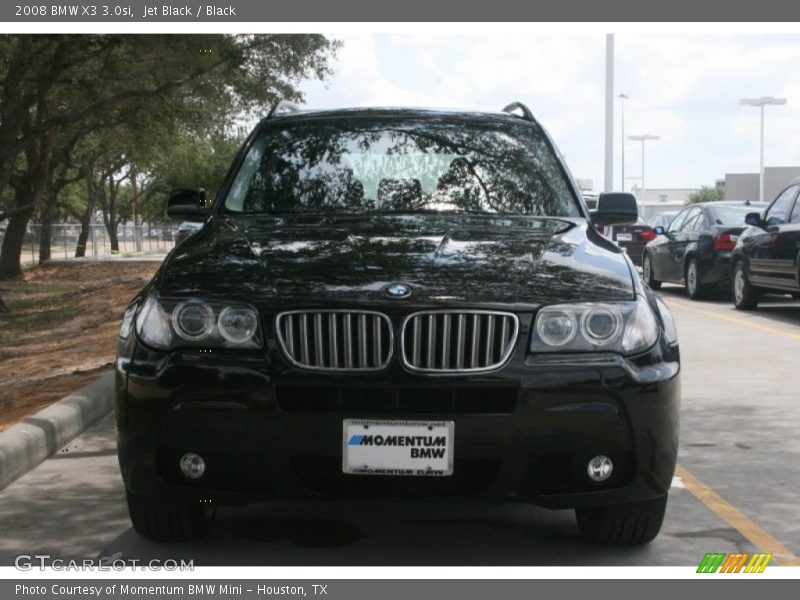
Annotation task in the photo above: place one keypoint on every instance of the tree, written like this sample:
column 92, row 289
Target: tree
column 60, row 88
column 706, row 194
column 196, row 159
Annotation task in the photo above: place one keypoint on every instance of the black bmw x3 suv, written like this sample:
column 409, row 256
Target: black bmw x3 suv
column 398, row 303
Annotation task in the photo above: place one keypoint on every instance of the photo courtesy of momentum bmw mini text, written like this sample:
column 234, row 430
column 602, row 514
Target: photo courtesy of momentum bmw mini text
column 367, row 300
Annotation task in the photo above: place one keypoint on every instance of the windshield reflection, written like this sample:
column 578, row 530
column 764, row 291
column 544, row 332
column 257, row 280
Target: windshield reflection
column 402, row 165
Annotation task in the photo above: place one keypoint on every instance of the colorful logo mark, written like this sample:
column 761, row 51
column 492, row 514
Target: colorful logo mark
column 744, row 562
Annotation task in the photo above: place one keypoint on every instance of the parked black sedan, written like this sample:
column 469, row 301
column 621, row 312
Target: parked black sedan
column 695, row 250
column 633, row 237
column 767, row 255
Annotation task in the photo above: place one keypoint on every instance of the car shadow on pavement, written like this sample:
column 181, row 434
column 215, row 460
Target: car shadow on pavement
column 386, row 534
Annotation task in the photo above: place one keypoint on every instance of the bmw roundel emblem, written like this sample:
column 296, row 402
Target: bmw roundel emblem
column 397, row 290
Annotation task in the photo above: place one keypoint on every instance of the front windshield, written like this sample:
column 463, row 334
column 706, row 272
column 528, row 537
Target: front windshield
column 402, row 165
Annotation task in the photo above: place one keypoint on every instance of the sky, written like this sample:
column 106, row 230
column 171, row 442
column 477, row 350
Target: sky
column 684, row 88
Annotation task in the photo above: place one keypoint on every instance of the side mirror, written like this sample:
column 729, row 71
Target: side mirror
column 659, row 230
column 753, row 219
column 615, row 208
column 187, row 205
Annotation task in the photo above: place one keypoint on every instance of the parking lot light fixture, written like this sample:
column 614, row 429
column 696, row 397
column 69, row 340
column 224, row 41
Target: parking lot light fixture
column 761, row 103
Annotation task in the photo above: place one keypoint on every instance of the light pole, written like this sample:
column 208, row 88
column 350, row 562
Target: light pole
column 643, row 138
column 761, row 103
column 622, row 98
column 608, row 184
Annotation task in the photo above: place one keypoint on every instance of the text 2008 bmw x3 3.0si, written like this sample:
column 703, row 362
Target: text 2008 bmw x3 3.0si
column 398, row 303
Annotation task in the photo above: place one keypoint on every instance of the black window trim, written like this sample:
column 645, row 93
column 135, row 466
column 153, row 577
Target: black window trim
column 702, row 222
column 686, row 210
column 691, row 218
column 767, row 210
column 795, row 204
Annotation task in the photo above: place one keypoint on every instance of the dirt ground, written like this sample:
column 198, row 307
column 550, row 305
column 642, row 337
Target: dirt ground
column 61, row 332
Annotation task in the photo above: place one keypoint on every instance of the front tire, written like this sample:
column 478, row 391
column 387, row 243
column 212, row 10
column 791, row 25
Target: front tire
column 167, row 521
column 647, row 273
column 622, row 524
column 745, row 295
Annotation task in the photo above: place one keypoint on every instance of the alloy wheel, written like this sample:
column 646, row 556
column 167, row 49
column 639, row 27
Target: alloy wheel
column 738, row 286
column 691, row 279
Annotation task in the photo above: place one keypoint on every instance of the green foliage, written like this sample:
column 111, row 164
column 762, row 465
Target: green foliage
column 191, row 160
column 706, row 194
column 153, row 110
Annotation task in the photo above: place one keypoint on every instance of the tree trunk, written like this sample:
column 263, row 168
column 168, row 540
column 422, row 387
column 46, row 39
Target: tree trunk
column 11, row 253
column 28, row 190
column 107, row 204
column 135, row 193
column 86, row 230
column 113, row 239
column 83, row 237
column 46, row 234
column 86, row 217
column 110, row 216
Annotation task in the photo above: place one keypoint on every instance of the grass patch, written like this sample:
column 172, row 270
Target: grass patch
column 15, row 323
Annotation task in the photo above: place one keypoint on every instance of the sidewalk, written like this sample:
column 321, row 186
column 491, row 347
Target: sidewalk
column 122, row 257
column 30, row 442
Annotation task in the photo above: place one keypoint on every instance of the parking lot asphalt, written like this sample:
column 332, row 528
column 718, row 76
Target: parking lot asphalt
column 736, row 488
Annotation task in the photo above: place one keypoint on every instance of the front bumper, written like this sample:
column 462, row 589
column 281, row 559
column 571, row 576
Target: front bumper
column 523, row 433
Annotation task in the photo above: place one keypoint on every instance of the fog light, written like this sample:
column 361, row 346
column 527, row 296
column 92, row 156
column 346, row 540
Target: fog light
column 600, row 468
column 192, row 465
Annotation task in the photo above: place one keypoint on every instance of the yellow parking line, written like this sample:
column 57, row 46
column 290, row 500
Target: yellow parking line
column 746, row 323
column 736, row 519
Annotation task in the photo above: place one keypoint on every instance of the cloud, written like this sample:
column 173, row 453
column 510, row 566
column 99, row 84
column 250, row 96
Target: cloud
column 684, row 88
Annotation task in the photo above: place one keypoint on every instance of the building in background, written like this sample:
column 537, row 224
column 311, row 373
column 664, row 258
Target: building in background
column 744, row 186
column 658, row 200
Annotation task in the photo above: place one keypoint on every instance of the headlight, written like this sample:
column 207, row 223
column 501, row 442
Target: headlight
column 237, row 325
column 670, row 330
column 601, row 324
column 625, row 327
column 153, row 325
column 557, row 327
column 166, row 324
column 127, row 322
column 193, row 321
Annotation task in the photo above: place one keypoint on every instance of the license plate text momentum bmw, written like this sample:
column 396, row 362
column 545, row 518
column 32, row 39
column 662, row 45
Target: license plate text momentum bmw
column 397, row 447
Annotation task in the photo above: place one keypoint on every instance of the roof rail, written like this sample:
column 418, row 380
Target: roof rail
column 283, row 106
column 526, row 112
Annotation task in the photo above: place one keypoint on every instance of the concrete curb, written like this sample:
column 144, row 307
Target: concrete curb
column 30, row 442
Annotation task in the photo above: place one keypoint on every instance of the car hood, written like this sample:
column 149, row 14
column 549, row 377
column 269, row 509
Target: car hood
column 446, row 260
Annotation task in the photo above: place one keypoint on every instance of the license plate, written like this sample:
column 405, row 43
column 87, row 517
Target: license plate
column 624, row 237
column 422, row 448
